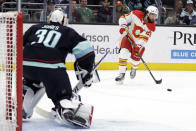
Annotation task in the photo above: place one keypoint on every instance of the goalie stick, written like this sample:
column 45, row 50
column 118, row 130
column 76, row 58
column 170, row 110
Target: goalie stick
column 156, row 81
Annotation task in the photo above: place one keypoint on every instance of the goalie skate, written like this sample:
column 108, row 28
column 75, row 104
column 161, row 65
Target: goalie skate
column 119, row 79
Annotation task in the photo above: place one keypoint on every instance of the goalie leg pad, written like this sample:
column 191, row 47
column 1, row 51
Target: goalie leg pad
column 74, row 113
column 86, row 112
column 30, row 100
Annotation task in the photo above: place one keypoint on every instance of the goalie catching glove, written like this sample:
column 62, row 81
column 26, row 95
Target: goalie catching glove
column 83, row 75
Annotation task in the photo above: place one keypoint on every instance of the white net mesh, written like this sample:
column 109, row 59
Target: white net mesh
column 8, row 100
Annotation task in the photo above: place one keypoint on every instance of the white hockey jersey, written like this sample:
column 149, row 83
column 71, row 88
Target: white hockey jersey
column 139, row 31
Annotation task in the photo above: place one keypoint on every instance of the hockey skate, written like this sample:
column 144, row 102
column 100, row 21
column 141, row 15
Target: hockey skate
column 133, row 73
column 119, row 79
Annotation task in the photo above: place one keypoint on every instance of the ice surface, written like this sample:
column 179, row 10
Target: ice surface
column 137, row 105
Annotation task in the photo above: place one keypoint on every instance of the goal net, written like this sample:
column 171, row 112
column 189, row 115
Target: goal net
column 11, row 47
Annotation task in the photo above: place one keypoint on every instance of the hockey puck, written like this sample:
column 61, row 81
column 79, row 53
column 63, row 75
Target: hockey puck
column 169, row 89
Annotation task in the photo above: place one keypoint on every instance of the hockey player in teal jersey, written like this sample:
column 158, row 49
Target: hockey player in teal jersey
column 46, row 47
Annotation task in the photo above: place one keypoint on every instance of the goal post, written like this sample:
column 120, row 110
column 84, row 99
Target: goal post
column 11, row 56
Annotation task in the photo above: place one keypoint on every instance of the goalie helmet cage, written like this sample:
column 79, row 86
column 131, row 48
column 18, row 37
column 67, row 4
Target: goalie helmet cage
column 11, row 56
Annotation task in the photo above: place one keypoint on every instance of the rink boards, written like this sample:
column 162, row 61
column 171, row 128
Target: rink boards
column 170, row 48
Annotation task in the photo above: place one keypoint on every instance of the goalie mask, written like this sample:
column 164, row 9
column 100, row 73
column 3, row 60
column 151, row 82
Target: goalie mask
column 58, row 16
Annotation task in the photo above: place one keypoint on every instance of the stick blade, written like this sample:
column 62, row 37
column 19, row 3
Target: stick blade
column 44, row 113
column 159, row 81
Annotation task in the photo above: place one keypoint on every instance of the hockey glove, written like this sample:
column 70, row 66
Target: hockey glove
column 136, row 51
column 123, row 30
column 83, row 75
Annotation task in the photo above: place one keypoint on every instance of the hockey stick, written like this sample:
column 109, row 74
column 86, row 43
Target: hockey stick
column 80, row 84
column 156, row 81
column 44, row 113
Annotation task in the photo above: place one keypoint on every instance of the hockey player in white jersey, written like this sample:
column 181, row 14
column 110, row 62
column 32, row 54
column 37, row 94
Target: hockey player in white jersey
column 138, row 26
column 46, row 47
